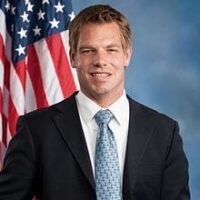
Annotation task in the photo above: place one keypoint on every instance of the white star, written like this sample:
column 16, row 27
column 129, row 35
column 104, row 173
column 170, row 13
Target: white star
column 7, row 6
column 37, row 31
column 54, row 23
column 22, row 33
column 59, row 7
column 40, row 14
column 27, row 2
column 72, row 15
column 13, row 10
column 25, row 17
column 45, row 1
column 20, row 50
column 30, row 7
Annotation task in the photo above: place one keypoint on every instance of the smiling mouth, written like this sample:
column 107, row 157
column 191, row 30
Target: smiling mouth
column 101, row 74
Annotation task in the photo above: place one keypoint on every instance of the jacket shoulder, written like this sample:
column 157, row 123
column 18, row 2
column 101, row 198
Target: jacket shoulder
column 50, row 111
column 147, row 112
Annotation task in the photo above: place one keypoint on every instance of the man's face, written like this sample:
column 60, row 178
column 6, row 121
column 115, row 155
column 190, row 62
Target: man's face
column 100, row 62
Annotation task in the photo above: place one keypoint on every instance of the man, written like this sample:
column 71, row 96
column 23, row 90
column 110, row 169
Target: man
column 55, row 153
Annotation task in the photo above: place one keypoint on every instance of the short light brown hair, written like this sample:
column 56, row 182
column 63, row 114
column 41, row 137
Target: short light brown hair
column 99, row 14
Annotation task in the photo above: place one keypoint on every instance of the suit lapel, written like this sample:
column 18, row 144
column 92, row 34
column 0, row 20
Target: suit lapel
column 69, row 125
column 138, row 137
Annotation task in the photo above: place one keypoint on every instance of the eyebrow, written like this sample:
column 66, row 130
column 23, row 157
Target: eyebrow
column 106, row 47
column 113, row 45
column 86, row 47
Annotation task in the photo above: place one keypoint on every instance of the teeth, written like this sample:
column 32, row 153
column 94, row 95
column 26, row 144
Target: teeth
column 100, row 74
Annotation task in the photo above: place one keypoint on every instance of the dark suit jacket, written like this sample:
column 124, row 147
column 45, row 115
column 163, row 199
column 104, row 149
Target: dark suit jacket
column 48, row 157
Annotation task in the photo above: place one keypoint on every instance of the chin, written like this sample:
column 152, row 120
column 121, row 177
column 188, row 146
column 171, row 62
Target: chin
column 101, row 91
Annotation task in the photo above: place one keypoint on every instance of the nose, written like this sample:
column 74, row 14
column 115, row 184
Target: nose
column 100, row 58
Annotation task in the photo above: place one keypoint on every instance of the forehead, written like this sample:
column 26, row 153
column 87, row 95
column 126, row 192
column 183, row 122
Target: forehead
column 94, row 33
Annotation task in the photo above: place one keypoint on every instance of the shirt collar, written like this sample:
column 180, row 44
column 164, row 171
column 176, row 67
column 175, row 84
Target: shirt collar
column 118, row 107
column 89, row 108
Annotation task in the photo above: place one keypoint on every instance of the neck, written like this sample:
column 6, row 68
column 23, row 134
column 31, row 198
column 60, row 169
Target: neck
column 104, row 100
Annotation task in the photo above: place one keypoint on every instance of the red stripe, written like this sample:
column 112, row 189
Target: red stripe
column 4, row 124
column 36, row 77
column 4, row 120
column 6, row 64
column 1, row 115
column 6, row 67
column 20, row 68
column 1, row 101
column 61, row 64
column 12, row 118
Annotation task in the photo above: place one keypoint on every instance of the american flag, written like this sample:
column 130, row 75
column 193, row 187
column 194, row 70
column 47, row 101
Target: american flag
column 34, row 65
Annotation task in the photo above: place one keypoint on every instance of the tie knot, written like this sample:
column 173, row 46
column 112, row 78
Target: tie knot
column 103, row 117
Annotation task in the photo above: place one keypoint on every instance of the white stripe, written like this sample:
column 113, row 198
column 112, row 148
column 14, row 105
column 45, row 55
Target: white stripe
column 3, row 148
column 49, row 76
column 8, row 47
column 8, row 135
column 30, row 100
column 16, row 91
column 6, row 37
column 65, row 40
column 3, row 26
column 3, row 151
column 5, row 101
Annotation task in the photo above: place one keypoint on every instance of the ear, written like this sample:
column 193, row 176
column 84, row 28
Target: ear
column 128, row 54
column 72, row 58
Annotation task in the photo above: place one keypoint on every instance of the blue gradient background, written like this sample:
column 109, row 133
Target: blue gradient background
column 165, row 69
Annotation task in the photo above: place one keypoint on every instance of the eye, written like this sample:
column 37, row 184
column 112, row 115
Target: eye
column 87, row 51
column 112, row 50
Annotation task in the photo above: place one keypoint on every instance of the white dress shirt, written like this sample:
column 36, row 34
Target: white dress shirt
column 119, row 125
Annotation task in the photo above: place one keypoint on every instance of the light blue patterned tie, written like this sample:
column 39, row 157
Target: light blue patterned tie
column 106, row 161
